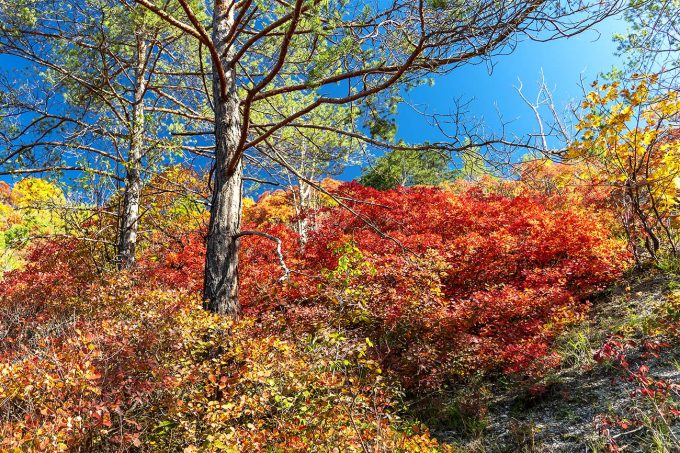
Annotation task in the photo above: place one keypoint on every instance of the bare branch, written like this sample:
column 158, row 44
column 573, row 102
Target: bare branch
column 282, row 262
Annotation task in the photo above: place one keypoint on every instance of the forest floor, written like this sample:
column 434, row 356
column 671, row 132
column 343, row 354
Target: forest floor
column 591, row 405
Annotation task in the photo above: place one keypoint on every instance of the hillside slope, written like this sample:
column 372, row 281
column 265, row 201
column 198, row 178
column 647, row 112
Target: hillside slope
column 616, row 389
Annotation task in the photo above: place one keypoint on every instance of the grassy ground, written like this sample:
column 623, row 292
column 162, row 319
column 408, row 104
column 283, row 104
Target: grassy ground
column 588, row 405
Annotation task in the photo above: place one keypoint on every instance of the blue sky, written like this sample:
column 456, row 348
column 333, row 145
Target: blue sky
column 491, row 89
column 563, row 62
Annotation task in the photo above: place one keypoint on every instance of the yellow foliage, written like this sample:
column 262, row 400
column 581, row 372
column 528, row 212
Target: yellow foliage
column 630, row 140
column 29, row 209
column 35, row 193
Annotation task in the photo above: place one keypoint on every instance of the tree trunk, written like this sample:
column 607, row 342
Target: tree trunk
column 304, row 205
column 220, row 289
column 129, row 221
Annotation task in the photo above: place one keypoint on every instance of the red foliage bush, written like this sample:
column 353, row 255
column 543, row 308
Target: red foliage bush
column 445, row 284
column 429, row 285
column 106, row 362
column 81, row 352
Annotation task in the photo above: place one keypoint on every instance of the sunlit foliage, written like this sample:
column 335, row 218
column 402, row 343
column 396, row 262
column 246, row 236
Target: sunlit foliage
column 29, row 209
column 448, row 284
column 630, row 141
column 416, row 289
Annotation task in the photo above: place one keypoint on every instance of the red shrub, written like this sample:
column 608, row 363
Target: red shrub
column 429, row 285
column 444, row 283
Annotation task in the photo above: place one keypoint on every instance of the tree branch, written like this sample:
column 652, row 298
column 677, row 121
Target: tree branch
column 282, row 262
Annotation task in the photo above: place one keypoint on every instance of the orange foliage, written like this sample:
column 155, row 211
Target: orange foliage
column 100, row 363
column 459, row 282
column 442, row 284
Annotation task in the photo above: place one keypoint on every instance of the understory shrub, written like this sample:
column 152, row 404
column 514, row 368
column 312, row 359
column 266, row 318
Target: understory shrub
column 414, row 290
column 444, row 283
column 114, row 365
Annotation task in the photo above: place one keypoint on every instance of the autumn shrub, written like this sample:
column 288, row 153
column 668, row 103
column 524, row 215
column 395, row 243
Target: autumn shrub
column 486, row 282
column 629, row 143
column 106, row 362
column 28, row 209
column 241, row 391
column 412, row 289
column 80, row 354
column 445, row 283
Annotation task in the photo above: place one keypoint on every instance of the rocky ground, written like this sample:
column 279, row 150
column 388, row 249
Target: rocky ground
column 569, row 416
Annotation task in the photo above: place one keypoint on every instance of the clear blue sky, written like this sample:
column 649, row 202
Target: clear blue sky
column 491, row 89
